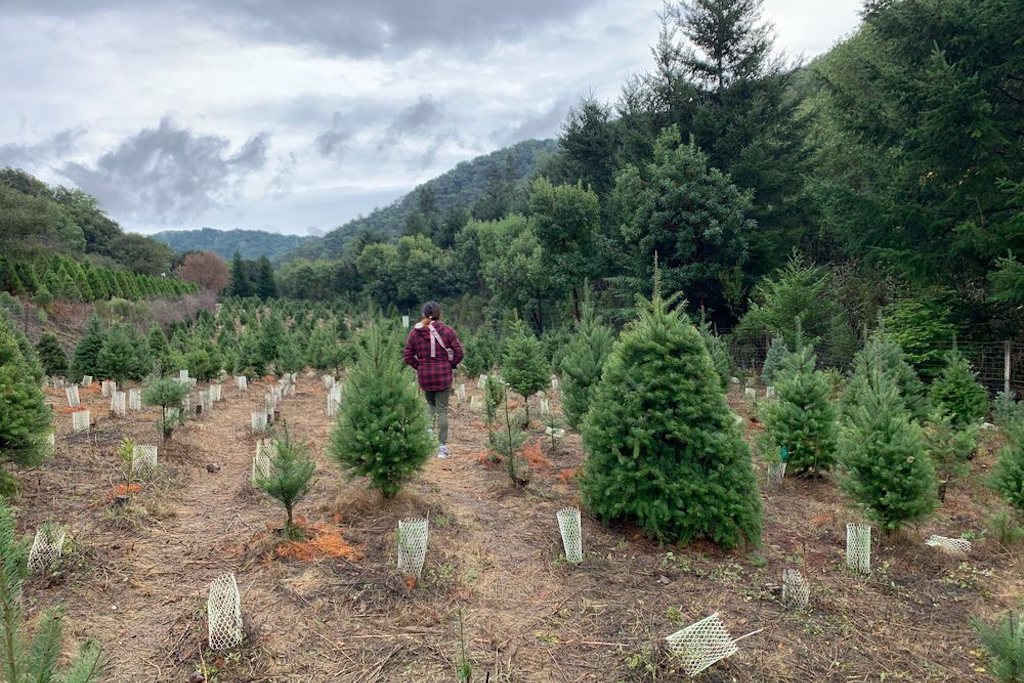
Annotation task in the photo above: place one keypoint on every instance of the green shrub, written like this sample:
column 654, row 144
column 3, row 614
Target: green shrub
column 1008, row 476
column 167, row 394
column 662, row 447
column 582, row 363
column 52, row 356
column 1005, row 645
column 289, row 479
column 1006, row 409
column 24, row 416
column 774, row 359
column 882, row 352
column 523, row 364
column 949, row 448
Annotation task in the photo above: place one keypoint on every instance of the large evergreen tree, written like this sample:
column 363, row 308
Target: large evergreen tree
column 124, row 355
column 51, row 355
column 381, row 431
column 239, row 285
column 957, row 392
column 24, row 416
column 663, row 449
column 888, row 472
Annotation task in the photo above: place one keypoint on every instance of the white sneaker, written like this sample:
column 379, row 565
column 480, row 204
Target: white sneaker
column 442, row 451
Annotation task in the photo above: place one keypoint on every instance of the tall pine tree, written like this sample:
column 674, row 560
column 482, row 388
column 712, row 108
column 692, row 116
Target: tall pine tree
column 663, row 449
column 51, row 355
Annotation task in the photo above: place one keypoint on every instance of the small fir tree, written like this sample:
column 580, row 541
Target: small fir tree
column 291, row 354
column 882, row 352
column 381, row 432
column 28, row 354
column 86, row 358
column 949, row 448
column 956, row 391
column 159, row 350
column 1008, row 476
column 24, row 659
column 271, row 339
column 774, row 358
column 719, row 353
column 1005, row 645
column 494, row 397
column 52, row 356
column 523, row 365
column 887, row 471
column 581, row 366
column 506, row 439
column 289, row 479
column 662, row 447
column 803, row 419
column 24, row 416
column 123, row 356
column 167, row 394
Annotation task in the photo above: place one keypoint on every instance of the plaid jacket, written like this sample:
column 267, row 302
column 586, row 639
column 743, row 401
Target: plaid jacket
column 423, row 353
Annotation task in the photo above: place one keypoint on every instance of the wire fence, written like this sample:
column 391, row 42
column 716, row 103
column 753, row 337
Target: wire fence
column 999, row 365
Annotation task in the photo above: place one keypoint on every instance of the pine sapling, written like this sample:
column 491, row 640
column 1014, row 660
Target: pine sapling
column 289, row 478
column 506, row 440
column 167, row 394
column 494, row 396
column 1005, row 645
column 956, row 391
column 1008, row 476
column 524, row 365
column 949, row 448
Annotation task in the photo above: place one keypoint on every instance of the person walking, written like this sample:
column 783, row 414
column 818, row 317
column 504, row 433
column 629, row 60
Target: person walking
column 434, row 350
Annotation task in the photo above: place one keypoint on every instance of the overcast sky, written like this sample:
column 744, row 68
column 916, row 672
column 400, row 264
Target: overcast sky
column 292, row 117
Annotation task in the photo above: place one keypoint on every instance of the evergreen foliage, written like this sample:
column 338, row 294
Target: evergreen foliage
column 33, row 660
column 881, row 352
column 494, row 396
column 523, row 364
column 719, row 354
column 582, row 363
column 167, row 394
column 381, row 431
column 949, row 447
column 1005, row 645
column 24, row 416
column 803, row 419
column 888, row 473
column 957, row 392
column 124, row 355
column 159, row 350
column 1006, row 409
column 774, row 358
column 86, row 358
column 1008, row 476
column 51, row 355
column 662, row 447
column 290, row 477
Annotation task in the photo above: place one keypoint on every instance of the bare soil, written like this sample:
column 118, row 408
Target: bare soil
column 336, row 609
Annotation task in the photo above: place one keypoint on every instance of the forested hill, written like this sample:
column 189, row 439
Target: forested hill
column 251, row 244
column 471, row 183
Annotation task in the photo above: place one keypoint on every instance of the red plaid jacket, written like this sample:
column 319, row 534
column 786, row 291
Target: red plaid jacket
column 423, row 353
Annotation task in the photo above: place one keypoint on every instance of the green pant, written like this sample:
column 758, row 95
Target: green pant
column 438, row 404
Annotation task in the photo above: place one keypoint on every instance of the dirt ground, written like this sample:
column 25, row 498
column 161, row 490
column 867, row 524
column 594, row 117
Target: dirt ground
column 336, row 610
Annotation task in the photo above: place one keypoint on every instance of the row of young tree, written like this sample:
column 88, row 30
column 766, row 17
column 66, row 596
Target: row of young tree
column 52, row 276
column 886, row 160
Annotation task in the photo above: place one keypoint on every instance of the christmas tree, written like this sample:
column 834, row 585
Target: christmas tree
column 123, row 356
column 86, row 359
column 291, row 354
column 523, row 365
column 584, row 359
column 28, row 353
column 956, row 391
column 888, row 473
column 381, row 432
column 168, row 395
column 882, row 352
column 1008, row 477
column 774, row 359
column 24, row 416
column 159, row 350
column 52, row 356
column 803, row 419
column 663, row 449
column 719, row 354
column 289, row 479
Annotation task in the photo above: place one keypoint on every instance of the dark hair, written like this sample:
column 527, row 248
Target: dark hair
column 431, row 310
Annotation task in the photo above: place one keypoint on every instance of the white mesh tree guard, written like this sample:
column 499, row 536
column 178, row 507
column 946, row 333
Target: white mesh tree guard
column 259, row 422
column 72, row 393
column 216, row 392
column 333, row 400
column 80, row 421
column 183, row 375
column 191, row 381
column 952, row 545
column 545, row 406
column 87, row 381
column 554, row 384
column 858, row 547
column 186, row 404
column 572, row 534
column 412, row 546
column 224, row 613
column 270, row 417
column 265, row 452
column 242, row 382
column 405, row 321
column 750, row 393
column 289, row 389
column 174, row 415
column 776, row 473
column 796, row 593
column 51, row 440
column 472, row 402
column 134, row 399
column 144, row 459
column 107, row 387
column 769, row 391
column 328, row 381
column 119, row 403
column 460, row 392
column 701, row 644
column 47, row 547
column 206, row 401
column 482, row 382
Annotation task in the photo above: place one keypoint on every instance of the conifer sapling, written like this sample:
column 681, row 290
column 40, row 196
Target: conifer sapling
column 583, row 363
column 523, row 365
column 167, row 394
column 289, row 479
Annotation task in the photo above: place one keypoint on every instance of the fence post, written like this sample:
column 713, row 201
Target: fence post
column 1007, row 347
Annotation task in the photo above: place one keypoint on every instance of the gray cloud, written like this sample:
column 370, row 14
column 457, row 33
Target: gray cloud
column 54, row 147
column 168, row 173
column 543, row 123
column 418, row 118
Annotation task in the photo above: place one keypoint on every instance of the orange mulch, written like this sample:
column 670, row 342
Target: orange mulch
column 323, row 540
column 533, row 455
column 123, row 490
column 66, row 410
column 566, row 474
